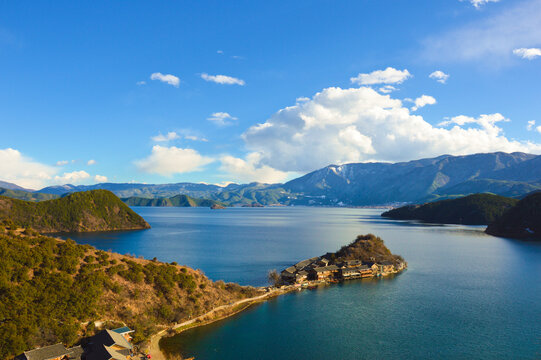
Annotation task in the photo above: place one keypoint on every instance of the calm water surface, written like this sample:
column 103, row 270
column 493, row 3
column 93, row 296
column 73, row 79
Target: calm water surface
column 465, row 295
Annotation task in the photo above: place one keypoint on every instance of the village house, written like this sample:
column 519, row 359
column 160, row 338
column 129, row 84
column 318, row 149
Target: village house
column 108, row 345
column 324, row 272
column 386, row 267
column 347, row 272
column 289, row 275
column 52, row 352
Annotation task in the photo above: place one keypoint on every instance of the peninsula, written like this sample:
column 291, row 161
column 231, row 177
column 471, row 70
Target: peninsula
column 94, row 210
column 366, row 257
column 476, row 209
column 54, row 291
column 523, row 221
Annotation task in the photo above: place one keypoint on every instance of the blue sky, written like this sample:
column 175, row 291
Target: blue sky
column 303, row 84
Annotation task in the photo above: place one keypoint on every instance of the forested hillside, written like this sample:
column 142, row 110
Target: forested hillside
column 478, row 209
column 53, row 290
column 523, row 221
column 175, row 201
column 96, row 210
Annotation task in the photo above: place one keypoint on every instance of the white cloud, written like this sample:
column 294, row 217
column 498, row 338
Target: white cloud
column 359, row 124
column 492, row 39
column 167, row 161
column 387, row 89
column 423, row 101
column 250, row 169
column 169, row 79
column 221, row 118
column 72, row 177
column 139, row 83
column 164, row 138
column 100, row 178
column 91, row 162
column 219, row 52
column 23, row 171
column 479, row 3
column 529, row 54
column 439, row 76
column 538, row 129
column 530, row 125
column 486, row 122
column 387, row 76
column 222, row 79
column 195, row 138
column 62, row 162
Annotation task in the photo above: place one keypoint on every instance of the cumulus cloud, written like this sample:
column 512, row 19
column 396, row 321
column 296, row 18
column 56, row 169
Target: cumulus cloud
column 529, row 54
column 23, row 171
column 423, row 101
column 62, row 162
column 100, row 178
column 478, row 3
column 387, row 89
column 168, row 78
column 91, row 162
column 359, row 124
column 164, row 138
column 139, row 83
column 387, row 76
column 222, row 79
column 250, row 169
column 221, row 118
column 72, row 177
column 167, row 161
column 439, row 76
column 530, row 125
column 491, row 39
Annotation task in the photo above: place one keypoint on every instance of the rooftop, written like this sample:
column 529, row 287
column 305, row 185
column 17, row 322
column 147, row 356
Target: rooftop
column 47, row 352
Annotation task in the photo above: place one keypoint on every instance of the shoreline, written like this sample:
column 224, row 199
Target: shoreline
column 205, row 319
column 154, row 348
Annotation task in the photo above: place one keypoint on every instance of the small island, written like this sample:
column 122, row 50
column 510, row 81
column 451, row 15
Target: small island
column 366, row 257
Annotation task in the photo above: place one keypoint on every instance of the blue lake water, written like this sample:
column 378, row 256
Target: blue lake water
column 465, row 294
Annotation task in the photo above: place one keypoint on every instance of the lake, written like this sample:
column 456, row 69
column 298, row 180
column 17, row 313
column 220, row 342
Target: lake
column 465, row 294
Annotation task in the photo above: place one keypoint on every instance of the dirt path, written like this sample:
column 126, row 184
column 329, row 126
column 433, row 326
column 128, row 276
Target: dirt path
column 154, row 348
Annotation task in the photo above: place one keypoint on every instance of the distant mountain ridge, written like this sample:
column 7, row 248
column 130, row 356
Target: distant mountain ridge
column 413, row 181
column 358, row 184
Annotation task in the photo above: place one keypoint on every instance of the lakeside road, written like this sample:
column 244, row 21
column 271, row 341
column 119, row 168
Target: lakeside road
column 154, row 347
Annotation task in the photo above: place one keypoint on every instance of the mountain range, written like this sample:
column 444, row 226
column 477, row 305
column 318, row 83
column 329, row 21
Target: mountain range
column 359, row 184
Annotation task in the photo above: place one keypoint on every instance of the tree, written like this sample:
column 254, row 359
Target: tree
column 274, row 277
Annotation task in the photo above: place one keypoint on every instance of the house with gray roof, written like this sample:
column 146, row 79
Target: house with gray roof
column 52, row 352
column 108, row 345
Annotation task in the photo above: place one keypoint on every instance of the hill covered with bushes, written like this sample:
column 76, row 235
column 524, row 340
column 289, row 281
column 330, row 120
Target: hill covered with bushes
column 54, row 291
column 522, row 221
column 95, row 210
column 367, row 248
column 477, row 209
